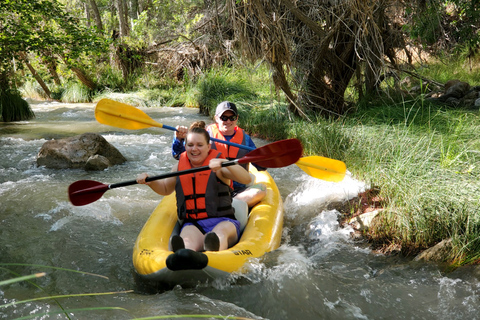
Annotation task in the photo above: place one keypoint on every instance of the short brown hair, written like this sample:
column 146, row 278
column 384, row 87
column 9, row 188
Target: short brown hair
column 199, row 127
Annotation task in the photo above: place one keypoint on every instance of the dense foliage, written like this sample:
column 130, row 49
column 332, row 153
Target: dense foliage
column 316, row 52
column 39, row 28
column 444, row 25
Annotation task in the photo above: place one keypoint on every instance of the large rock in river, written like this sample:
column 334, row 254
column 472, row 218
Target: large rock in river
column 89, row 151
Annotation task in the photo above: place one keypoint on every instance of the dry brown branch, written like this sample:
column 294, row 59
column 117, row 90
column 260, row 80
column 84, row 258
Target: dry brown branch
column 24, row 58
column 323, row 43
column 304, row 18
column 424, row 79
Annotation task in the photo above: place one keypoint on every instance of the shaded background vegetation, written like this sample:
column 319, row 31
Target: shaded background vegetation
column 323, row 57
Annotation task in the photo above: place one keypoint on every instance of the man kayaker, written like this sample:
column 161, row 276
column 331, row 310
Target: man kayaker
column 225, row 128
column 204, row 200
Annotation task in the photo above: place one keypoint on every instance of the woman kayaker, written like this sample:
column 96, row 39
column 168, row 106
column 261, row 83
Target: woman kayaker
column 204, row 200
column 225, row 128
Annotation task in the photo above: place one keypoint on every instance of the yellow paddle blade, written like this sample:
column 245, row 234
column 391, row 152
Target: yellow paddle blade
column 323, row 168
column 121, row 115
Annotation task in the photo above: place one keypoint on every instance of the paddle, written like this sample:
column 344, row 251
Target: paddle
column 323, row 168
column 273, row 155
column 124, row 116
column 121, row 115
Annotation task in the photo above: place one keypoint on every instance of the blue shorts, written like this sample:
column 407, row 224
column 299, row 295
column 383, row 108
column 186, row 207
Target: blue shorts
column 210, row 223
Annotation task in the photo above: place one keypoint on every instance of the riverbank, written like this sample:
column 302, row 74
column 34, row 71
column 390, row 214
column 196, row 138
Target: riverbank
column 424, row 161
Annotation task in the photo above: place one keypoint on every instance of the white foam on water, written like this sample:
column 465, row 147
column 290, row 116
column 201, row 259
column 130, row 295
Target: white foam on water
column 315, row 192
column 288, row 262
column 326, row 227
column 327, row 234
column 306, row 207
column 347, row 308
column 99, row 211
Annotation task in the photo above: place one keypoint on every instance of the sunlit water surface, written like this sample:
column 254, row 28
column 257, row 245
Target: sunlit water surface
column 319, row 272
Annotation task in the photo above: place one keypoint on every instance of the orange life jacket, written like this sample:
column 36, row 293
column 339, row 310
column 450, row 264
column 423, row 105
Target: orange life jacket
column 202, row 195
column 230, row 152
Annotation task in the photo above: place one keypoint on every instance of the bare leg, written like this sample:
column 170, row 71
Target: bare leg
column 227, row 233
column 192, row 237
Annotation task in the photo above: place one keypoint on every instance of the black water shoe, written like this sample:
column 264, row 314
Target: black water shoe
column 176, row 242
column 211, row 242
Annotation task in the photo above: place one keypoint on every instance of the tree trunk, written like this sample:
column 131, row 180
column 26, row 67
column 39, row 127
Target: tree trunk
column 122, row 17
column 122, row 61
column 81, row 75
column 126, row 14
column 47, row 91
column 373, row 68
column 331, row 74
column 134, row 9
column 83, row 78
column 87, row 14
column 280, row 81
column 96, row 15
column 51, row 65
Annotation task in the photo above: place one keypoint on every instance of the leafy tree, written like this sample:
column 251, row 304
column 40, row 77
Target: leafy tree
column 38, row 27
column 444, row 25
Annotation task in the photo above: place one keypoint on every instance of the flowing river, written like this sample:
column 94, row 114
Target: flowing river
column 318, row 272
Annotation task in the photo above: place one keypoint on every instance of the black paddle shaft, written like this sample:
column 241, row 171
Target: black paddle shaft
column 274, row 155
column 170, row 174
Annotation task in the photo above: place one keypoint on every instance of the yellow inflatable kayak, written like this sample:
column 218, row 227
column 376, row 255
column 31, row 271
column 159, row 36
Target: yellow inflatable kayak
column 154, row 261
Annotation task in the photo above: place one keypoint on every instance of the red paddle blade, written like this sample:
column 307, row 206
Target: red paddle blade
column 84, row 192
column 275, row 155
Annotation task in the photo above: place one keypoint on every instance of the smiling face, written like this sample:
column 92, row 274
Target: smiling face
column 197, row 148
column 226, row 127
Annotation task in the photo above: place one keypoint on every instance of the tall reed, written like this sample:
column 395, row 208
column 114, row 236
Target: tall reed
column 75, row 92
column 423, row 157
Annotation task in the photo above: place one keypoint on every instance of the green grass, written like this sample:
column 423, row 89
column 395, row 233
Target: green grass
column 204, row 91
column 425, row 160
column 449, row 68
column 31, row 280
column 67, row 312
column 219, row 85
column 423, row 157
column 75, row 92
column 32, row 90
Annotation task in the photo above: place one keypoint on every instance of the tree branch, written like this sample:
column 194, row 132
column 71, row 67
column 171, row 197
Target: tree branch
column 302, row 17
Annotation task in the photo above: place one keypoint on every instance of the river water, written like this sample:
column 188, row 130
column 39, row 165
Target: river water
column 319, row 272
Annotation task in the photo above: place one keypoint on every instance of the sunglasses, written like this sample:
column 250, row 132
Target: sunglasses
column 231, row 118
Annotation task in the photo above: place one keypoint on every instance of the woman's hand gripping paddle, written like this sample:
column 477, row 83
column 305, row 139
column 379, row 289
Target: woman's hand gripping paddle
column 124, row 116
column 273, row 155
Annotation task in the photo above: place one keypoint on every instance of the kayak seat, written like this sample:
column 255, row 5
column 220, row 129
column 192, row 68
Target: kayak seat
column 241, row 212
